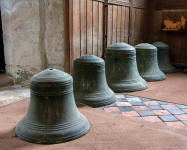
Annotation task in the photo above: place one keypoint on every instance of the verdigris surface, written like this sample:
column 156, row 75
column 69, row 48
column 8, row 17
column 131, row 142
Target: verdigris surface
column 90, row 86
column 52, row 116
column 121, row 69
column 164, row 57
column 147, row 62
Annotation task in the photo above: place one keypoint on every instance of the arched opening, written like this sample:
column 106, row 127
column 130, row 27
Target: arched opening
column 2, row 57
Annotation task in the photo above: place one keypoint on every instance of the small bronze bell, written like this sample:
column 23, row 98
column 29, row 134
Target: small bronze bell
column 147, row 62
column 90, row 86
column 164, row 57
column 52, row 116
column 121, row 69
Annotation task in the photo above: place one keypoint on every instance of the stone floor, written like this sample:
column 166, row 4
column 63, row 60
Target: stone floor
column 142, row 108
column 150, row 110
column 13, row 94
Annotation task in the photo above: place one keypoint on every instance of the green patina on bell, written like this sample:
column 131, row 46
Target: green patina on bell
column 121, row 69
column 52, row 116
column 90, row 86
column 147, row 62
column 164, row 57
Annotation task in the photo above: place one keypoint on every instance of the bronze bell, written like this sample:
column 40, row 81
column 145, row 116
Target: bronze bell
column 164, row 57
column 90, row 86
column 121, row 69
column 52, row 116
column 147, row 62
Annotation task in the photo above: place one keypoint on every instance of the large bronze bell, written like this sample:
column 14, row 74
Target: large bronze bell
column 90, row 86
column 121, row 69
column 52, row 116
column 147, row 62
column 164, row 57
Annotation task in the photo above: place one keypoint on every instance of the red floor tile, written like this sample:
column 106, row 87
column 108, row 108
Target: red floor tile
column 138, row 108
column 134, row 99
column 151, row 103
column 123, row 104
column 170, row 106
column 152, row 119
column 112, row 109
column 130, row 114
column 176, row 124
column 181, row 117
column 161, row 112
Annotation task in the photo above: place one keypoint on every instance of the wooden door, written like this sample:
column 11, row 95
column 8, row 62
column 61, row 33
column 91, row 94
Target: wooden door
column 86, row 28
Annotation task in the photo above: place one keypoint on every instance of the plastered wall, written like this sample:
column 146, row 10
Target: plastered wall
column 34, row 35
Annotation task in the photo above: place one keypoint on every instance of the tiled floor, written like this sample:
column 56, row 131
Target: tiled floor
column 150, row 110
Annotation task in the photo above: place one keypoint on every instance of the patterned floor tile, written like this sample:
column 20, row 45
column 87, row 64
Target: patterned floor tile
column 127, row 108
column 181, row 106
column 155, row 107
column 145, row 99
column 130, row 114
column 181, row 117
column 161, row 112
column 168, row 118
column 139, row 108
column 123, row 104
column 112, row 109
column 176, row 124
column 151, row 103
column 163, row 103
column 170, row 106
column 176, row 111
column 150, row 110
column 145, row 113
column 184, row 122
column 152, row 119
column 137, row 103
column 185, row 110
column 134, row 99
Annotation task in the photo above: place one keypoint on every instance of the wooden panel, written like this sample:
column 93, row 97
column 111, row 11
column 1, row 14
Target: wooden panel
column 76, row 30
column 119, row 20
column 95, row 26
column 127, row 12
column 132, row 26
column 123, row 14
column 134, row 3
column 114, row 24
column 110, row 25
column 101, row 25
column 86, row 18
column 89, row 27
column 83, row 26
column 120, row 2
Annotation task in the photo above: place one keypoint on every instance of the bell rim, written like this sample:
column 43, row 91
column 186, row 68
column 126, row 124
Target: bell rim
column 123, row 87
column 62, row 139
column 97, row 103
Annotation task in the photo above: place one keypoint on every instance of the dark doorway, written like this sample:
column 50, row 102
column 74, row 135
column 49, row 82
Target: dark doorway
column 2, row 58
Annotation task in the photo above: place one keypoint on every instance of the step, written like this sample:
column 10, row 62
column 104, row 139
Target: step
column 6, row 80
